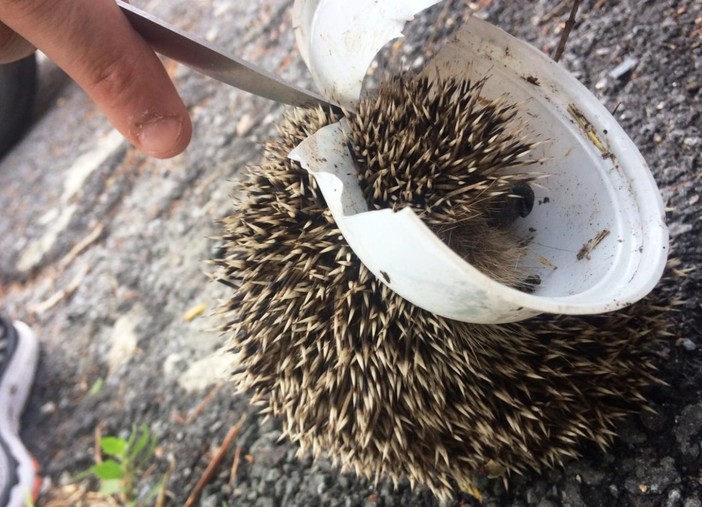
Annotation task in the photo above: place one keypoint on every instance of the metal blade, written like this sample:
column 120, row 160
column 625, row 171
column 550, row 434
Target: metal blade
column 203, row 57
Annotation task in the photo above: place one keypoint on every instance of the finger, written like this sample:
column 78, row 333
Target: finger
column 95, row 44
column 13, row 46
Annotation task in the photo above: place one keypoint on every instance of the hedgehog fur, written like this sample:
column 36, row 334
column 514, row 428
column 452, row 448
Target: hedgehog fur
column 442, row 150
column 384, row 388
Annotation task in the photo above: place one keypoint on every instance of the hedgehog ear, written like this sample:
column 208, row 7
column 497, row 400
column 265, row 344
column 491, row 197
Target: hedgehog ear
column 338, row 39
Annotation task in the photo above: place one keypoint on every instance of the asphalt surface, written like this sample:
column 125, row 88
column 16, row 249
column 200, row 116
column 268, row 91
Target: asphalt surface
column 104, row 253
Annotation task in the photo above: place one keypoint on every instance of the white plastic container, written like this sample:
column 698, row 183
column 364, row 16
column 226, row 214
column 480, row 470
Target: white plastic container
column 597, row 236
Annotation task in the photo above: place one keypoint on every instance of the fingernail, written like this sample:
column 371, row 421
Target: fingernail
column 160, row 136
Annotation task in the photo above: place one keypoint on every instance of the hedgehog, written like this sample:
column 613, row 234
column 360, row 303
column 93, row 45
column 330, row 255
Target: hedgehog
column 380, row 386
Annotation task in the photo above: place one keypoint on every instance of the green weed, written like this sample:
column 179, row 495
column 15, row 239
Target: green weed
column 125, row 464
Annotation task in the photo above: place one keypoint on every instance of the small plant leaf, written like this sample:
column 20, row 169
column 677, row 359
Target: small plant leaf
column 82, row 475
column 140, row 444
column 149, row 453
column 96, row 387
column 108, row 469
column 113, row 446
column 122, row 473
column 110, row 487
column 132, row 436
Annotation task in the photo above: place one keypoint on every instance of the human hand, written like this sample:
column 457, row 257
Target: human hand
column 95, row 44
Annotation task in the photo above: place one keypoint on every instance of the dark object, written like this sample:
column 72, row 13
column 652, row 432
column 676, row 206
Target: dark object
column 526, row 203
column 18, row 82
column 518, row 203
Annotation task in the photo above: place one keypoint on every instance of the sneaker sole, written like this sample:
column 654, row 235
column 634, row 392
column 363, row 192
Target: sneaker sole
column 15, row 385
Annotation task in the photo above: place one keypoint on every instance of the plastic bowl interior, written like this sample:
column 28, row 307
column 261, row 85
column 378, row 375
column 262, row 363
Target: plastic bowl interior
column 597, row 239
column 597, row 236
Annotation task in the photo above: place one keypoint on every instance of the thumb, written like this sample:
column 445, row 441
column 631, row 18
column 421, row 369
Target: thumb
column 12, row 46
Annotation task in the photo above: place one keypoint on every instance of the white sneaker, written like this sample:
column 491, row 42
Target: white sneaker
column 19, row 352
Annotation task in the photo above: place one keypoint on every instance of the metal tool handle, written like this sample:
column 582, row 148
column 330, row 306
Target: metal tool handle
column 205, row 58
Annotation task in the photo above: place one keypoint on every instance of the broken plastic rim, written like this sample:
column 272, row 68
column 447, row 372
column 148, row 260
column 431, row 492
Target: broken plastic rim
column 597, row 239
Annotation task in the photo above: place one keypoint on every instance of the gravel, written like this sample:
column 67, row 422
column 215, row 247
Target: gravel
column 104, row 254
